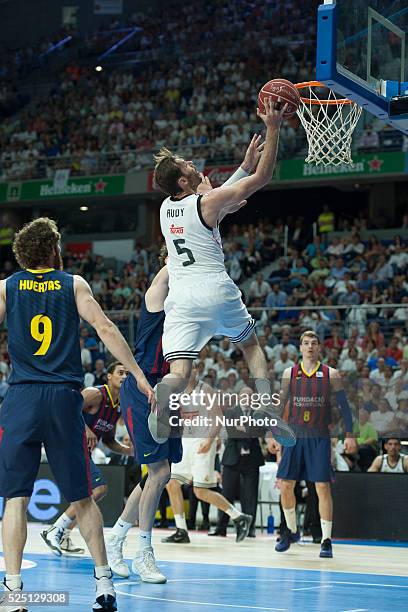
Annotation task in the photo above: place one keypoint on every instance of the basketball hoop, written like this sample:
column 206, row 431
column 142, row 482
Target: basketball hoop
column 329, row 124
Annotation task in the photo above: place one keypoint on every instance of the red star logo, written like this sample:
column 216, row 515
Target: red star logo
column 100, row 186
column 375, row 164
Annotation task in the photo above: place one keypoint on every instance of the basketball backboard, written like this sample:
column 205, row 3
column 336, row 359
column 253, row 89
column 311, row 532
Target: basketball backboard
column 362, row 54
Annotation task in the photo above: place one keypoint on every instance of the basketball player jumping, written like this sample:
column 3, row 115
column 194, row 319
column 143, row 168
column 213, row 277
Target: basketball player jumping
column 101, row 411
column 306, row 394
column 203, row 301
column 43, row 404
column 142, row 503
column 197, row 466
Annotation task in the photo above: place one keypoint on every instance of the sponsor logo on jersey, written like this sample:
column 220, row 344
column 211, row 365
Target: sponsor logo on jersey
column 319, row 374
column 103, row 425
column 30, row 285
column 300, row 400
column 176, row 230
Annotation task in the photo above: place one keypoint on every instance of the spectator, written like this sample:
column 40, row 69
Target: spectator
column 100, row 372
column 86, row 357
column 259, row 288
column 276, row 298
column 326, row 220
column 285, row 344
column 282, row 363
column 367, row 440
column 369, row 140
column 383, row 419
column 373, row 402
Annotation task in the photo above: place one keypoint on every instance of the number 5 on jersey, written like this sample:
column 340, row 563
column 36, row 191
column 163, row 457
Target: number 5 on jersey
column 184, row 251
column 41, row 330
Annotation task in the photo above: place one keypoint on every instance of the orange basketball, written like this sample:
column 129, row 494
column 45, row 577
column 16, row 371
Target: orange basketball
column 283, row 89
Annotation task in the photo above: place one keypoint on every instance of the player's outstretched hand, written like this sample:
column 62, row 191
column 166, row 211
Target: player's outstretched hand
column 145, row 388
column 253, row 154
column 205, row 185
column 91, row 439
column 274, row 111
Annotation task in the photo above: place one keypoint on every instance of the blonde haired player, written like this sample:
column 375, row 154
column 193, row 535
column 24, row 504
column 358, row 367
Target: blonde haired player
column 306, row 394
column 203, row 301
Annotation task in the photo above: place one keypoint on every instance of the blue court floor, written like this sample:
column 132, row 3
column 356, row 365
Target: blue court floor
column 223, row 588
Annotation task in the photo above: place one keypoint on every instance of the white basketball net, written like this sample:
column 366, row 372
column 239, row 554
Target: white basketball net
column 329, row 126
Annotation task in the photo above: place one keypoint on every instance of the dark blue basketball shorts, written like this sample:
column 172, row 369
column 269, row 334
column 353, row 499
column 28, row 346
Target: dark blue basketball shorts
column 136, row 410
column 96, row 476
column 49, row 414
column 308, row 459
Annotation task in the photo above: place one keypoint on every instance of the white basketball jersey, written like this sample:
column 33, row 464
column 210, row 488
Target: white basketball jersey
column 196, row 408
column 398, row 468
column 194, row 248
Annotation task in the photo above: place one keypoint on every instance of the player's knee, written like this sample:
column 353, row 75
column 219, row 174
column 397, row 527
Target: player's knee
column 161, row 477
column 200, row 493
column 181, row 368
column 323, row 488
column 83, row 505
column 287, row 486
column 249, row 342
column 99, row 492
column 173, row 485
column 18, row 503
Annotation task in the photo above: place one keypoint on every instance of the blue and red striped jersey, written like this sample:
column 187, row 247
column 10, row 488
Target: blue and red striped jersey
column 103, row 422
column 148, row 352
column 308, row 408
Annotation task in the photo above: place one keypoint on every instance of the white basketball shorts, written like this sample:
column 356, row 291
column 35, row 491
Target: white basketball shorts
column 194, row 468
column 197, row 310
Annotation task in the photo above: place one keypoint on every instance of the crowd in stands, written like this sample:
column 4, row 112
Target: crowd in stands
column 111, row 121
column 17, row 63
column 193, row 86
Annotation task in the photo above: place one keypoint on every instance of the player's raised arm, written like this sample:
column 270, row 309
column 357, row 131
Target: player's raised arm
column 90, row 311
column 214, row 201
column 158, row 291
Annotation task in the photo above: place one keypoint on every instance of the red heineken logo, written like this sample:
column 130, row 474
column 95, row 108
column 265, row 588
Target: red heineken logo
column 375, row 164
column 100, row 186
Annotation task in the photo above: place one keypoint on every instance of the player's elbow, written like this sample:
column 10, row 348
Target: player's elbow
column 104, row 327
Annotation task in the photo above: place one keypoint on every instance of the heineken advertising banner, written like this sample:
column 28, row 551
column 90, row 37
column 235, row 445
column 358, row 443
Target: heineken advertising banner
column 62, row 187
column 372, row 164
column 297, row 170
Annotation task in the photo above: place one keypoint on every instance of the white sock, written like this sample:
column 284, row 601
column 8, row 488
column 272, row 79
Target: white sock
column 121, row 528
column 64, row 522
column 233, row 512
column 290, row 516
column 181, row 521
column 326, row 529
column 103, row 571
column 13, row 581
column 104, row 584
column 145, row 539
